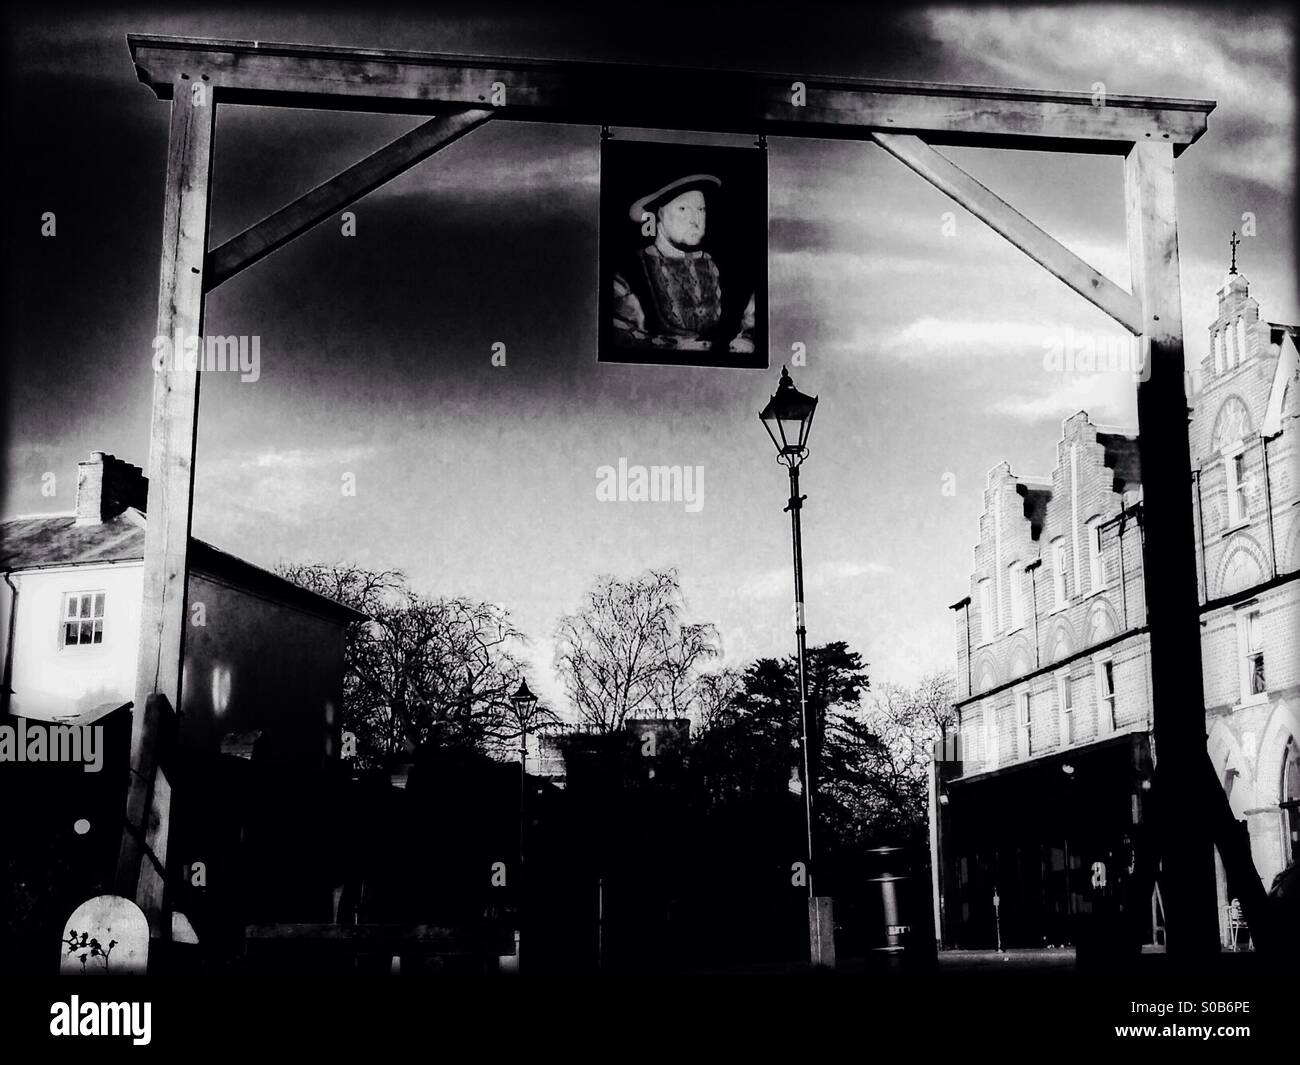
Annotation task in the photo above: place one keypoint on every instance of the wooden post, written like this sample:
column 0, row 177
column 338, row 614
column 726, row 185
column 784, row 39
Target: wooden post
column 1169, row 559
column 171, row 487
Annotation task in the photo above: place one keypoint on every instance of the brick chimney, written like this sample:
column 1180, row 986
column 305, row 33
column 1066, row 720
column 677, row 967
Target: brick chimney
column 106, row 486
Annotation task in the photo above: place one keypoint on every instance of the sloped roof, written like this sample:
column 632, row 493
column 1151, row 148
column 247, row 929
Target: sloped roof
column 57, row 540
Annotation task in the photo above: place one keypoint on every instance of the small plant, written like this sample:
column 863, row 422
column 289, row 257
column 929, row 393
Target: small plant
column 88, row 947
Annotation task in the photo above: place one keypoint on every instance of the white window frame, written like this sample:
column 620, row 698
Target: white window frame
column 1065, row 708
column 1238, row 501
column 1251, row 646
column 988, row 615
column 1060, row 575
column 1107, row 703
column 1096, row 557
column 1016, row 590
column 1024, row 724
column 990, row 735
column 98, row 601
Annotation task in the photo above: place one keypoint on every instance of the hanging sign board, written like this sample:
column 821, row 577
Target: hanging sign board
column 683, row 254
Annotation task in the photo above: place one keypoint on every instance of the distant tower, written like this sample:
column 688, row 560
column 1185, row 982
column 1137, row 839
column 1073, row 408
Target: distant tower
column 1232, row 333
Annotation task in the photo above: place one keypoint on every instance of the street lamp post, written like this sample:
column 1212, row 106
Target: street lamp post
column 788, row 418
column 524, row 703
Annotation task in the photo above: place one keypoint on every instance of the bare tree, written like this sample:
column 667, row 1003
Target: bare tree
column 715, row 694
column 362, row 589
column 879, row 757
column 909, row 720
column 519, row 722
column 420, row 671
column 627, row 652
column 442, row 670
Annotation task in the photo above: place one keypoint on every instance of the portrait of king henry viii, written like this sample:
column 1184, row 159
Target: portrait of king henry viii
column 670, row 293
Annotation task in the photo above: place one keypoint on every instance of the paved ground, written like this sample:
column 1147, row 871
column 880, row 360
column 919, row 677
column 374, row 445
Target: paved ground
column 993, row 961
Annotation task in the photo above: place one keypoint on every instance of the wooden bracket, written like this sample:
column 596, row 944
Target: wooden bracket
column 1040, row 246
column 378, row 168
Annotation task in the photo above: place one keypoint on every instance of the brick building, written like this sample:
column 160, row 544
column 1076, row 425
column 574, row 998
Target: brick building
column 1246, row 480
column 1051, row 791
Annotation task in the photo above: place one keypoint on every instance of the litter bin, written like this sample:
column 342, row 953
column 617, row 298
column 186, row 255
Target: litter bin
column 899, row 910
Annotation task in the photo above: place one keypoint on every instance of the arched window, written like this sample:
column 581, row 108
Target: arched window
column 1241, row 340
column 1291, row 799
column 1216, row 346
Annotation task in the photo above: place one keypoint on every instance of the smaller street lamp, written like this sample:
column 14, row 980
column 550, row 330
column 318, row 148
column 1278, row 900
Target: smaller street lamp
column 525, row 704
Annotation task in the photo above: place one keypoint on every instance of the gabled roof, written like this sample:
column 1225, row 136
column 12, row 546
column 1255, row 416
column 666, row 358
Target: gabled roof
column 51, row 540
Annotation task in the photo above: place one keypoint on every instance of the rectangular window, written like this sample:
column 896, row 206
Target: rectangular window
column 1025, row 736
column 1016, row 583
column 83, row 619
column 1106, row 704
column 1066, row 695
column 988, row 626
column 990, row 738
column 1059, row 574
column 1096, row 560
column 1235, row 468
column 1255, row 684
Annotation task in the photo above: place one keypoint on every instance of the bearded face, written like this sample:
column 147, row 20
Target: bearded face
column 681, row 220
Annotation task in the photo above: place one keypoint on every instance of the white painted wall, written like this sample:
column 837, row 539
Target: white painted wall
column 252, row 665
column 50, row 680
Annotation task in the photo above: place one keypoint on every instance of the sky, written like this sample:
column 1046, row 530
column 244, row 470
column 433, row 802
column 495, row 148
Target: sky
column 925, row 334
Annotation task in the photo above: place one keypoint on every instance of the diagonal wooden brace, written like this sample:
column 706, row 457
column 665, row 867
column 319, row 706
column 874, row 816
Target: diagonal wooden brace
column 1040, row 246
column 376, row 169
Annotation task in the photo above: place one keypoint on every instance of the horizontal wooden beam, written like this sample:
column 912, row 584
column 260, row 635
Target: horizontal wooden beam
column 291, row 221
column 1040, row 246
column 796, row 105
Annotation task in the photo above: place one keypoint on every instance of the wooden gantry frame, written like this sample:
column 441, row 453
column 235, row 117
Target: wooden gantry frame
column 907, row 119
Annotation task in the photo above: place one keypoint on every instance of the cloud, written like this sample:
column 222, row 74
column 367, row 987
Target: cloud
column 1241, row 61
column 285, row 487
column 307, row 458
column 1110, row 398
column 780, row 581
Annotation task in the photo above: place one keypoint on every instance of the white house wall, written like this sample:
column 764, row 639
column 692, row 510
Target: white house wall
column 51, row 680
